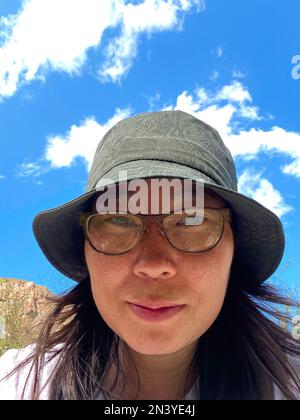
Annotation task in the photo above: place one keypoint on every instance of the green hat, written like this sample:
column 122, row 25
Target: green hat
column 164, row 144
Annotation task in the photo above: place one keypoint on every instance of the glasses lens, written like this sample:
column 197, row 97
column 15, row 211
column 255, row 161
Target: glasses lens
column 195, row 232
column 113, row 234
column 117, row 233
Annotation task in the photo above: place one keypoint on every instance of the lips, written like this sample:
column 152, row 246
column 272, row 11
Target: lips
column 155, row 305
column 155, row 315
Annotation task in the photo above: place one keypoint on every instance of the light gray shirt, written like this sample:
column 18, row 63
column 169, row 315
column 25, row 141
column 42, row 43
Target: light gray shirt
column 11, row 388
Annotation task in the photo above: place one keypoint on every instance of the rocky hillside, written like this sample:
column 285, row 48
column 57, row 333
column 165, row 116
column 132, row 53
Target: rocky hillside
column 23, row 306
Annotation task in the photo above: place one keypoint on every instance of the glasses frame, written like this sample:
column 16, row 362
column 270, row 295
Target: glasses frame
column 226, row 214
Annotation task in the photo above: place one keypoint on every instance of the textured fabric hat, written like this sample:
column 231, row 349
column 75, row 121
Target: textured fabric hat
column 164, row 144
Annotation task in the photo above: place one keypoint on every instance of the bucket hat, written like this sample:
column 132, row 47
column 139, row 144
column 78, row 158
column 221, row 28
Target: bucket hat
column 164, row 144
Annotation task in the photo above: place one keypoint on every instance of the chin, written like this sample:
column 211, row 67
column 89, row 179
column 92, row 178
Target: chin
column 152, row 347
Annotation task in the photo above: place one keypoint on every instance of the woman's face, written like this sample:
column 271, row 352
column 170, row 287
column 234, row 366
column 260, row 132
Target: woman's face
column 157, row 271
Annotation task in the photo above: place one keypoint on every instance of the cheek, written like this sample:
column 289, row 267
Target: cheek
column 104, row 267
column 106, row 274
column 208, row 276
column 210, row 271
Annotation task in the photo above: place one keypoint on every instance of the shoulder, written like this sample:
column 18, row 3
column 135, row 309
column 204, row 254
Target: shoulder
column 11, row 388
column 295, row 364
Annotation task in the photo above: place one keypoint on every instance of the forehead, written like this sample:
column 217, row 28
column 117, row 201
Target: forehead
column 211, row 199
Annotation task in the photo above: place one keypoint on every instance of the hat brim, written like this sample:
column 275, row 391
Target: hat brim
column 258, row 232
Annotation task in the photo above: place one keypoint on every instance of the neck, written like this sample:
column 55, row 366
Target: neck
column 157, row 377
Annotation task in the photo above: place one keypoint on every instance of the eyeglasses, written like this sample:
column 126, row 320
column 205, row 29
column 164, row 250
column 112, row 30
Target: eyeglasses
column 192, row 232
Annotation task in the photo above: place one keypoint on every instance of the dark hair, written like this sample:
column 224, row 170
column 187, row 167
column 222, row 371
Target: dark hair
column 240, row 357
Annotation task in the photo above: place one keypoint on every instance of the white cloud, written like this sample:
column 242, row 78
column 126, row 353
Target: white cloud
column 253, row 185
column 228, row 110
column 80, row 141
column 275, row 141
column 149, row 16
column 57, row 34
column 214, row 76
column 153, row 100
column 293, row 168
column 202, row 96
column 250, row 112
column 218, row 52
column 234, row 93
column 205, row 107
column 2, row 177
column 237, row 74
column 31, row 169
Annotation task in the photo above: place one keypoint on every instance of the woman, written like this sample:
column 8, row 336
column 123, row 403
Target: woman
column 169, row 304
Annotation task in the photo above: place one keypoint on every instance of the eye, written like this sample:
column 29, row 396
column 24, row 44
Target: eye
column 122, row 221
column 191, row 221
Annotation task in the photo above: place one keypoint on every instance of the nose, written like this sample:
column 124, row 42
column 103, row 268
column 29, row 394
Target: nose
column 156, row 258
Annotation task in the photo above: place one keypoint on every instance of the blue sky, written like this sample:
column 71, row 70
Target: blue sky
column 70, row 70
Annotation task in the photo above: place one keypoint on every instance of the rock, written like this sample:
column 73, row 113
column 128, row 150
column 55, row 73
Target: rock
column 23, row 307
